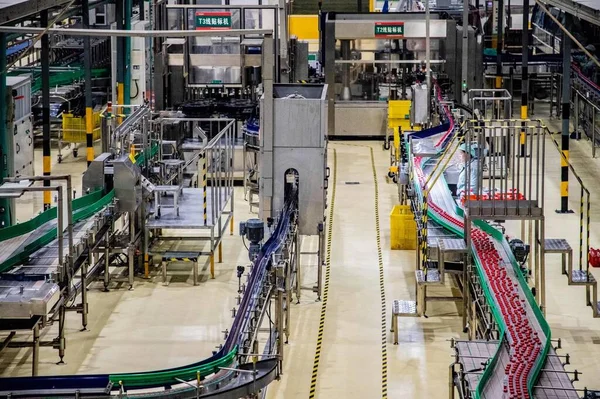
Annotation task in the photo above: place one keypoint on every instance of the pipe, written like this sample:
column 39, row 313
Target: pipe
column 135, row 33
column 45, row 60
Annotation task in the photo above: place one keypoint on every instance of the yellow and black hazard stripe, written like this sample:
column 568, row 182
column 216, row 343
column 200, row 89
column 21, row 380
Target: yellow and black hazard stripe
column 384, row 361
column 302, row 81
column 564, row 164
column 180, row 259
column 204, row 187
column 315, row 372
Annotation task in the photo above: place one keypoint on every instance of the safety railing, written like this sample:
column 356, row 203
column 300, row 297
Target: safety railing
column 584, row 209
column 217, row 167
column 491, row 103
column 586, row 112
column 514, row 184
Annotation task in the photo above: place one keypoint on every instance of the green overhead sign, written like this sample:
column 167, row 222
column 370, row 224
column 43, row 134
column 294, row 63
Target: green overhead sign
column 213, row 20
column 389, row 30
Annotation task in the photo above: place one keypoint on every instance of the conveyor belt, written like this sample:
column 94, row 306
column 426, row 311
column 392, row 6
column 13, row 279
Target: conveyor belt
column 216, row 380
column 29, row 262
column 522, row 325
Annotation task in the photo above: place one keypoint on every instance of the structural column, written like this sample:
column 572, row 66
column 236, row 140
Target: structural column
column 4, row 151
column 120, row 59
column 45, row 60
column 499, row 44
column 566, row 113
column 524, row 75
column 87, row 66
column 127, row 56
column 465, row 51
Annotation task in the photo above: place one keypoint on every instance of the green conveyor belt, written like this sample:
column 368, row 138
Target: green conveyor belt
column 83, row 208
column 496, row 235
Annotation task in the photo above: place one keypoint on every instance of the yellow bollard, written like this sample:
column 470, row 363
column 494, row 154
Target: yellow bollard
column 212, row 265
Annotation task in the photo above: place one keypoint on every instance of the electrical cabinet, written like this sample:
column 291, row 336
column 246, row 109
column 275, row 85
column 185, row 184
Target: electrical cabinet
column 20, row 126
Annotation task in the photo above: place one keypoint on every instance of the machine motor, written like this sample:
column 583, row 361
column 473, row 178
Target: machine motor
column 254, row 231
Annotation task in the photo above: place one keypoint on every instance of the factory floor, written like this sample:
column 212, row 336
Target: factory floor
column 156, row 326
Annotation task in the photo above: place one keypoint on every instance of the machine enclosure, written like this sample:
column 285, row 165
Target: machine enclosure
column 299, row 144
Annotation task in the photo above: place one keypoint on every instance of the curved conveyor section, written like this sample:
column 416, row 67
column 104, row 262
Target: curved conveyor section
column 524, row 331
column 167, row 383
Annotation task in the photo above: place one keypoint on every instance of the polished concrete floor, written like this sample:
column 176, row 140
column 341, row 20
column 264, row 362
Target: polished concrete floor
column 156, row 326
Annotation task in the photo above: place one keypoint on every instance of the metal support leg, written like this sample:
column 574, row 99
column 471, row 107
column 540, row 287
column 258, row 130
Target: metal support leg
column 298, row 268
column 542, row 267
column 131, row 258
column 221, row 252
column 36, row 350
column 468, row 327
column 131, row 249
column 106, row 262
column 279, row 319
column 61, row 334
column 164, row 271
column 321, row 261
column 395, row 328
column 451, row 379
column 195, row 266
column 465, row 295
column 84, row 302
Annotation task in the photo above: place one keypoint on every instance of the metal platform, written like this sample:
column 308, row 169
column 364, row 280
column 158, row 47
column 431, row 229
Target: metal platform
column 191, row 207
column 553, row 381
column 432, row 277
column 581, row 277
column 499, row 209
column 556, row 246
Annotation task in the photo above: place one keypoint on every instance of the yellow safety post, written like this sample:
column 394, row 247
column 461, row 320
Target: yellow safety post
column 231, row 226
column 120, row 98
column 146, row 266
column 212, row 265
column 221, row 252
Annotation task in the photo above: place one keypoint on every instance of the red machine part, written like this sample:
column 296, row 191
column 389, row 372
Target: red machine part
column 594, row 257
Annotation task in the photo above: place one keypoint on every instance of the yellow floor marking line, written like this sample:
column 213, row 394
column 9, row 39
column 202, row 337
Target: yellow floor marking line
column 384, row 366
column 315, row 372
column 384, row 361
